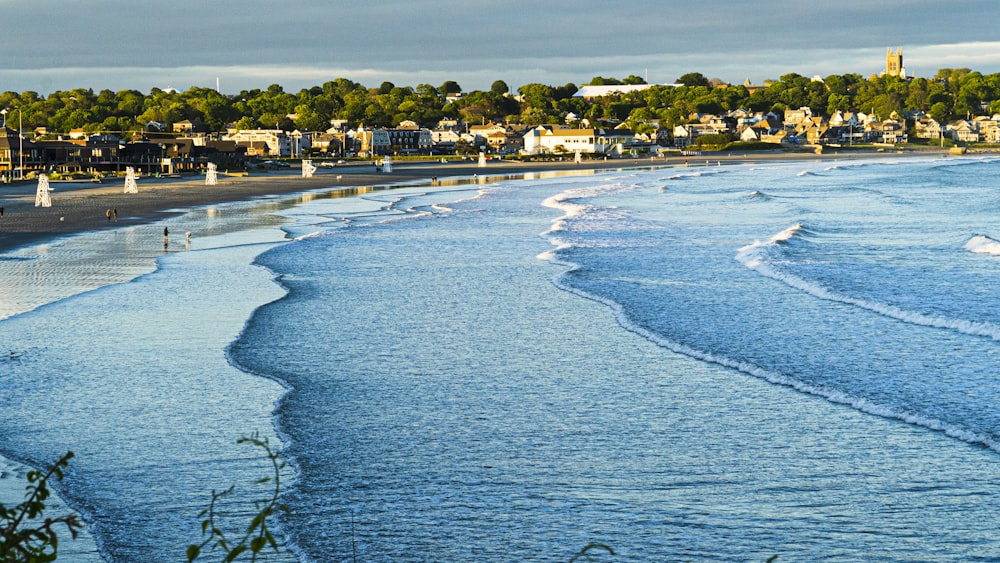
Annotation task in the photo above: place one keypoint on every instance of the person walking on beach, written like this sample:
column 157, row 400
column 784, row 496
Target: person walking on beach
column 114, row 212
column 166, row 233
column 108, row 214
column 1, row 211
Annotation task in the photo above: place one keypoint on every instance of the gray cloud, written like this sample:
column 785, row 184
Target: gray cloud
column 140, row 44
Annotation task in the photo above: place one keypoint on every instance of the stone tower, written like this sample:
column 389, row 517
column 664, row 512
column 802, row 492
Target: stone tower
column 894, row 63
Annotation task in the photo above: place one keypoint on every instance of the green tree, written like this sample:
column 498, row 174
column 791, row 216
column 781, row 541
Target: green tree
column 693, row 79
column 450, row 87
column 499, row 87
column 602, row 81
column 939, row 112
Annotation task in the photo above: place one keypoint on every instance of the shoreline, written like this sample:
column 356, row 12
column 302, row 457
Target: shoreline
column 82, row 206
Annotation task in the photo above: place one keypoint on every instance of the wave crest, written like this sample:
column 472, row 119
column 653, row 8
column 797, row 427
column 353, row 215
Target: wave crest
column 982, row 244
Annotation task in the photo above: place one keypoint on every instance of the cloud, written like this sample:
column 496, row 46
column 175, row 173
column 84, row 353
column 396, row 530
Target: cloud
column 116, row 44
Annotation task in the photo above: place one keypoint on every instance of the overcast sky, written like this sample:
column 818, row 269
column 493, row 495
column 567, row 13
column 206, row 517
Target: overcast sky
column 118, row 44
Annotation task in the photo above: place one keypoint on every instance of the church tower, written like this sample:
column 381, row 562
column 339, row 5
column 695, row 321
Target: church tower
column 894, row 63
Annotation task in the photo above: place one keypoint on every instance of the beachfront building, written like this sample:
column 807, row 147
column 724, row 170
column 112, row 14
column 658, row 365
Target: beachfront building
column 989, row 128
column 685, row 134
column 372, row 142
column 927, row 128
column 410, row 138
column 186, row 154
column 963, row 131
column 546, row 139
column 15, row 152
column 263, row 142
column 301, row 142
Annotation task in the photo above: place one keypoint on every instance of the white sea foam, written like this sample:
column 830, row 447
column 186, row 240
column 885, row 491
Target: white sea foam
column 835, row 396
column 756, row 257
column 981, row 244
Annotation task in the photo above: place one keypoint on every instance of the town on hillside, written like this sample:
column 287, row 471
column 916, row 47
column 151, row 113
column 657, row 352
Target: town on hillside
column 78, row 133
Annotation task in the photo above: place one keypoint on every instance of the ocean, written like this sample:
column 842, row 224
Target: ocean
column 699, row 363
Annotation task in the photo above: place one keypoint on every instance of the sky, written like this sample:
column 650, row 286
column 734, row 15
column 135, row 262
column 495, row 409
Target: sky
column 53, row 45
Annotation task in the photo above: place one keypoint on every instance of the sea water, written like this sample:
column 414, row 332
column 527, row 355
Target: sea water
column 703, row 363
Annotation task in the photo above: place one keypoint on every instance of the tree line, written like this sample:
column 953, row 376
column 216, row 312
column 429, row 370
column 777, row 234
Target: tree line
column 950, row 94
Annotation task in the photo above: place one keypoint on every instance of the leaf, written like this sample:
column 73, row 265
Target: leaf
column 257, row 544
column 193, row 552
column 236, row 552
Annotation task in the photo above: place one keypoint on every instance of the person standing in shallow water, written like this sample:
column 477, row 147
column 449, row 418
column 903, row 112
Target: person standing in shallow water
column 166, row 233
column 108, row 214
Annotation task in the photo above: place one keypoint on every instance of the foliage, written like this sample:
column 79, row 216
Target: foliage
column 24, row 536
column 950, row 94
column 750, row 146
column 713, row 139
column 258, row 534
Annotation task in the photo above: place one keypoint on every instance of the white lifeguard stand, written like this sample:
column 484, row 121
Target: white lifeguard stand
column 130, row 186
column 308, row 169
column 42, row 198
column 212, row 175
column 387, row 165
column 482, row 160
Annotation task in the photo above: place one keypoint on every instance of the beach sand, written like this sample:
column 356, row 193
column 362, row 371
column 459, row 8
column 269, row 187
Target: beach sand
column 82, row 206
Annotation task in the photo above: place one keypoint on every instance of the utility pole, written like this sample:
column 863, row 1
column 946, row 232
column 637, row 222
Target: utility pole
column 20, row 146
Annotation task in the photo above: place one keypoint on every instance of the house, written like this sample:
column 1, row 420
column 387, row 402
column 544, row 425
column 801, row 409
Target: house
column 794, row 117
column 329, row 143
column 963, row 131
column 263, row 142
column 812, row 129
column 481, row 132
column 927, row 128
column 410, row 139
column 547, row 139
column 189, row 127
column 16, row 151
column 989, row 129
column 752, row 134
column 684, row 135
column 301, row 142
column 444, row 140
column 372, row 142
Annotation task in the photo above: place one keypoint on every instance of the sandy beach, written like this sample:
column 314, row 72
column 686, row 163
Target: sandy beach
column 83, row 206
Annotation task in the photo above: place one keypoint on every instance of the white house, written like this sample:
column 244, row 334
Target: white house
column 263, row 142
column 551, row 140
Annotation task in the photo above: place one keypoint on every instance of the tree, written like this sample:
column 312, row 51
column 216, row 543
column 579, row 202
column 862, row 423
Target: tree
column 499, row 87
column 693, row 79
column 939, row 112
column 601, row 81
column 533, row 117
column 450, row 87
column 246, row 122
